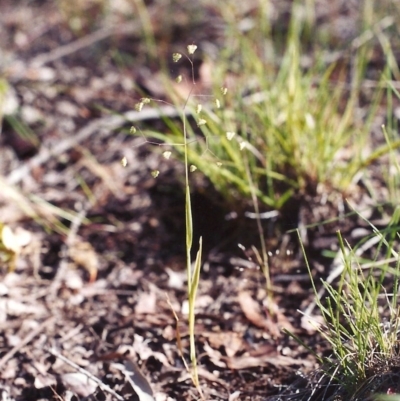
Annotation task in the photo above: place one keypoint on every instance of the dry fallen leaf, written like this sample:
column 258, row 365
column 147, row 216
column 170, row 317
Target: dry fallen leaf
column 234, row 396
column 13, row 307
column 232, row 342
column 281, row 320
column 215, row 356
column 131, row 371
column 138, row 381
column 146, row 303
column 252, row 311
column 273, row 321
column 11, row 244
column 79, row 383
column 83, row 254
column 42, row 381
column 176, row 279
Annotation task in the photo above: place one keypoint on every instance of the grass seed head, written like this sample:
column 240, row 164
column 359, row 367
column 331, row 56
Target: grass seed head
column 191, row 49
column 167, row 154
column 176, row 57
column 139, row 106
column 230, row 135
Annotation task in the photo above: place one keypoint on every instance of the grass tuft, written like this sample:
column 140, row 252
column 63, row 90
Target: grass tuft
column 361, row 323
column 300, row 127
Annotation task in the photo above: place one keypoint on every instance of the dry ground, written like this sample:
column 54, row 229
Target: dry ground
column 100, row 263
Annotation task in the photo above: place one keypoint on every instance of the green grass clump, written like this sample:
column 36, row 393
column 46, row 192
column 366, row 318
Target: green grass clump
column 289, row 118
column 361, row 323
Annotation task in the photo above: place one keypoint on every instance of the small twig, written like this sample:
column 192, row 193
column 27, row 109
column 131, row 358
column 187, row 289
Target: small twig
column 126, row 28
column 103, row 386
column 25, row 341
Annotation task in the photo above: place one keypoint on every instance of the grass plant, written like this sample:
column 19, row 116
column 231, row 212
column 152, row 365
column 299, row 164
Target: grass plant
column 193, row 277
column 361, row 322
column 392, row 173
column 283, row 129
column 193, row 270
column 294, row 112
column 298, row 126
